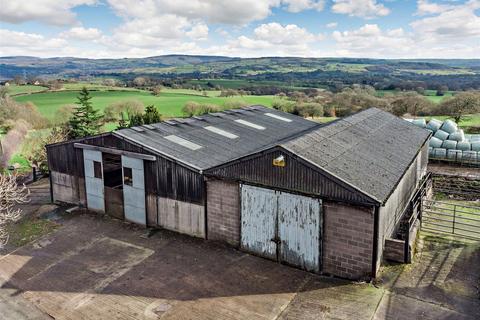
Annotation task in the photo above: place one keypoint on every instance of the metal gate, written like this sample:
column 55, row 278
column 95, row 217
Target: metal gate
column 281, row 226
column 94, row 179
column 134, row 190
column 451, row 217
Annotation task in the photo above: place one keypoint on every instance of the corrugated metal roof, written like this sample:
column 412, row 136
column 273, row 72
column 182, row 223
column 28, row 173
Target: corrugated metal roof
column 369, row 150
column 215, row 148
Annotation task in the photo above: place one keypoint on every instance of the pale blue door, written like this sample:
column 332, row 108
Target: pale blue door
column 94, row 179
column 134, row 190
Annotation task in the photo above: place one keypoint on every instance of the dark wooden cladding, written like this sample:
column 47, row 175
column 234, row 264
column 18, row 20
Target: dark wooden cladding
column 297, row 175
column 174, row 180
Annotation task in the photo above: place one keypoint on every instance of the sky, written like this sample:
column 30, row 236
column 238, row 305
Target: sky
column 241, row 28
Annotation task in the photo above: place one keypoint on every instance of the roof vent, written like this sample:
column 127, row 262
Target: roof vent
column 171, row 122
column 138, row 129
column 198, row 118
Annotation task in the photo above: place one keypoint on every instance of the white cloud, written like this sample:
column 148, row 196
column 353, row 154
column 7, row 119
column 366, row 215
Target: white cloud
column 367, row 9
column 372, row 42
column 301, row 5
column 332, row 25
column 81, row 33
column 274, row 39
column 457, row 22
column 198, row 32
column 425, row 7
column 237, row 12
column 53, row 12
column 21, row 43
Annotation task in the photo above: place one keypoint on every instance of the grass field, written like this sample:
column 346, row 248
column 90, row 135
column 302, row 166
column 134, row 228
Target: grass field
column 26, row 89
column 472, row 120
column 429, row 94
column 169, row 103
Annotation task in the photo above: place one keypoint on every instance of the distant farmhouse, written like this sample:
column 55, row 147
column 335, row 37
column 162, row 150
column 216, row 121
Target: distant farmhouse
column 323, row 198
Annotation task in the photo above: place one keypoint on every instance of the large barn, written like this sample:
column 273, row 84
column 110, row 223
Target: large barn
column 320, row 197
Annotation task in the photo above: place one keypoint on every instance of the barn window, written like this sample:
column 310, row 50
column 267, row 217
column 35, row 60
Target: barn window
column 97, row 169
column 127, row 176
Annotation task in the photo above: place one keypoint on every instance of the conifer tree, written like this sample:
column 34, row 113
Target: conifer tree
column 151, row 115
column 85, row 120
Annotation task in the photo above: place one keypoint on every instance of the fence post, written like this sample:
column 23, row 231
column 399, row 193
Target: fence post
column 454, row 214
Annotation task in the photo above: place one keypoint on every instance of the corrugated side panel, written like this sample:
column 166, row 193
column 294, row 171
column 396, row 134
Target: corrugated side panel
column 299, row 227
column 179, row 183
column 259, row 214
column 296, row 176
column 174, row 181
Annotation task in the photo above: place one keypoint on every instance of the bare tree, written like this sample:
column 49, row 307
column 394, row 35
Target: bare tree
column 11, row 195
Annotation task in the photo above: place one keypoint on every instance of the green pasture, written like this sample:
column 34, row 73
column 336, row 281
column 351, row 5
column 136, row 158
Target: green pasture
column 471, row 120
column 169, row 102
column 14, row 89
column 429, row 94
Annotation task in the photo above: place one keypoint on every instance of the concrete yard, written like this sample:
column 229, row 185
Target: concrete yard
column 96, row 267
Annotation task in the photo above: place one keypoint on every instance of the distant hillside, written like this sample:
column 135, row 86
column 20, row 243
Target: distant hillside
column 308, row 71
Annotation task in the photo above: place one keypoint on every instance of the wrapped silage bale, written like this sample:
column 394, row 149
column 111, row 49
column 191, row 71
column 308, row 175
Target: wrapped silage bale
column 442, row 135
column 474, row 138
column 454, row 154
column 475, row 146
column 457, row 136
column 439, row 153
column 469, row 155
column 420, row 123
column 449, row 144
column 434, row 124
column 435, row 142
column 449, row 126
column 430, row 151
column 463, row 145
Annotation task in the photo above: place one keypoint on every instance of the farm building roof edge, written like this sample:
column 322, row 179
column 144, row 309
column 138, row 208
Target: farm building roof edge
column 320, row 143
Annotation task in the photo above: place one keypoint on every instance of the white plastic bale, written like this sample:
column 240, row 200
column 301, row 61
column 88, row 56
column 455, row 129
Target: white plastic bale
column 475, row 146
column 439, row 153
column 457, row 136
column 449, row 144
column 434, row 124
column 442, row 135
column 430, row 151
column 469, row 155
column 449, row 126
column 463, row 145
column 420, row 123
column 435, row 142
column 454, row 154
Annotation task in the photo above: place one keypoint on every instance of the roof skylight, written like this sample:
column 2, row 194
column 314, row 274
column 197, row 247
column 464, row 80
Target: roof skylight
column 278, row 117
column 250, row 124
column 221, row 132
column 183, row 142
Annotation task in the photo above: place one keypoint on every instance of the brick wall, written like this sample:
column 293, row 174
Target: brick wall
column 223, row 211
column 348, row 241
